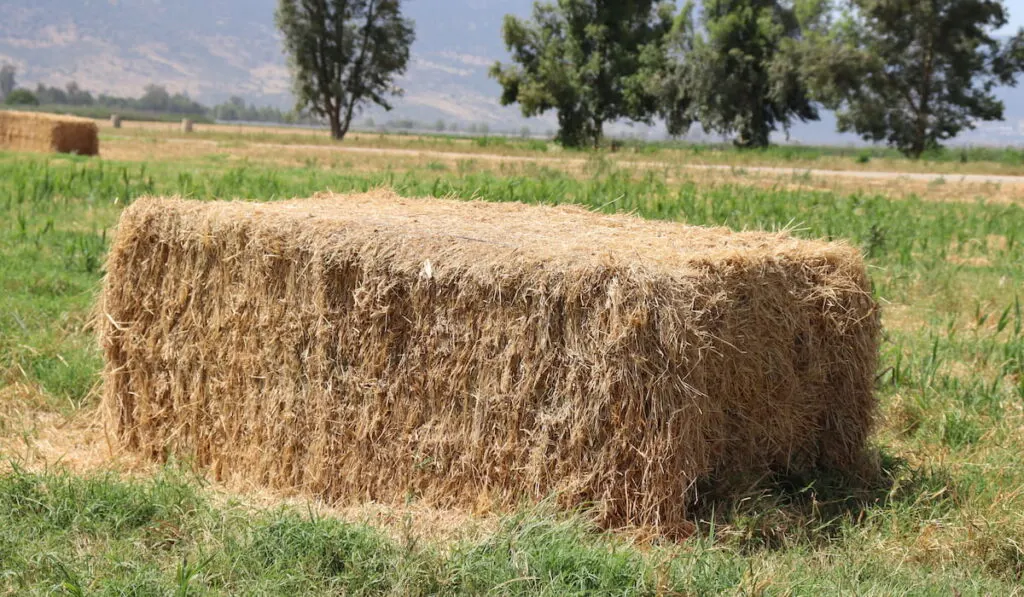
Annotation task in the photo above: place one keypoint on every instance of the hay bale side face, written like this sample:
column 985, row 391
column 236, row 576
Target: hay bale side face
column 31, row 131
column 77, row 137
column 369, row 346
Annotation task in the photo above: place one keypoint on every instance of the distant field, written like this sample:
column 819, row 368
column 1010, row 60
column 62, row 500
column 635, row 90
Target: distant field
column 237, row 145
column 105, row 112
column 946, row 518
column 951, row 161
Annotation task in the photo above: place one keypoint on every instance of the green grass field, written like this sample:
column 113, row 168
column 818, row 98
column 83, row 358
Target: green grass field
column 946, row 516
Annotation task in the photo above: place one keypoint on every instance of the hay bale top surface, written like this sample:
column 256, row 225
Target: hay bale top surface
column 502, row 236
column 48, row 118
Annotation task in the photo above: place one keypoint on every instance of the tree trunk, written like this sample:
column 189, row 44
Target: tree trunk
column 924, row 93
column 571, row 128
column 759, row 133
column 754, row 131
column 753, row 136
column 917, row 147
column 346, row 121
column 355, row 92
column 337, row 133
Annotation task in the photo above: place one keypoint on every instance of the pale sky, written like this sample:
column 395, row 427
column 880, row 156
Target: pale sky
column 1015, row 14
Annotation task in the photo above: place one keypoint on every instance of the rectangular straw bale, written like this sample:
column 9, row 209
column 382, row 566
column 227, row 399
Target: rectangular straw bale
column 372, row 347
column 38, row 131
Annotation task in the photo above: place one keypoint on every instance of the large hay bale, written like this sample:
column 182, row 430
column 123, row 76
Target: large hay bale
column 38, row 131
column 115, row 121
column 186, row 125
column 372, row 347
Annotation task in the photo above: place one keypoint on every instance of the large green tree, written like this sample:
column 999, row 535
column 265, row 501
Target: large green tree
column 734, row 70
column 913, row 73
column 344, row 54
column 583, row 59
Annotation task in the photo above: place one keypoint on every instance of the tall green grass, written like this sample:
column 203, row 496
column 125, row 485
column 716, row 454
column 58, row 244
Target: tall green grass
column 905, row 232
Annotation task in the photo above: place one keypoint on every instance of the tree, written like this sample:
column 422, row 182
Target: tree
column 21, row 97
column 734, row 70
column 583, row 59
column 76, row 96
column 439, row 126
column 155, row 98
column 6, row 80
column 50, row 95
column 913, row 73
column 181, row 103
column 344, row 54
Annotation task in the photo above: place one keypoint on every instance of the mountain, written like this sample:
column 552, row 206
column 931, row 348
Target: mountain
column 213, row 49
column 205, row 48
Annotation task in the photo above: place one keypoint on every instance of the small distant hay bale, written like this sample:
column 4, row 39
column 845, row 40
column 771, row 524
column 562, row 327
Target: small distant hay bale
column 186, row 125
column 38, row 131
column 375, row 347
column 115, row 121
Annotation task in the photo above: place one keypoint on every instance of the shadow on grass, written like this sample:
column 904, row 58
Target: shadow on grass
column 785, row 511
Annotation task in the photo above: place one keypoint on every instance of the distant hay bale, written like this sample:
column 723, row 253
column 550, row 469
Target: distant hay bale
column 186, row 125
column 375, row 347
column 115, row 121
column 38, row 131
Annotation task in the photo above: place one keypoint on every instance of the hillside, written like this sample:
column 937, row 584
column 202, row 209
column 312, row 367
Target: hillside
column 230, row 47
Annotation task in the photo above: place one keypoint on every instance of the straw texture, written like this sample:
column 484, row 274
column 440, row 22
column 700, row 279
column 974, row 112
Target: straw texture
column 477, row 354
column 37, row 131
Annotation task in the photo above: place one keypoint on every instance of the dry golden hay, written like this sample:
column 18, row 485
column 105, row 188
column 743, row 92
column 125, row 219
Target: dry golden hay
column 186, row 125
column 374, row 347
column 37, row 131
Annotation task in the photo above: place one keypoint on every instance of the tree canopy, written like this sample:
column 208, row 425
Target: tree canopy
column 21, row 97
column 344, row 54
column 734, row 70
column 910, row 73
column 583, row 58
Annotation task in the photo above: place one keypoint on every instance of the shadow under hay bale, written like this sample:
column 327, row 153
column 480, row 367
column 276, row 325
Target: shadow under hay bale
column 37, row 131
column 372, row 347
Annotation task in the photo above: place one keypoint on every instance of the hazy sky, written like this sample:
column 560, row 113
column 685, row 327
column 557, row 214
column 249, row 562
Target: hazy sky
column 1015, row 10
